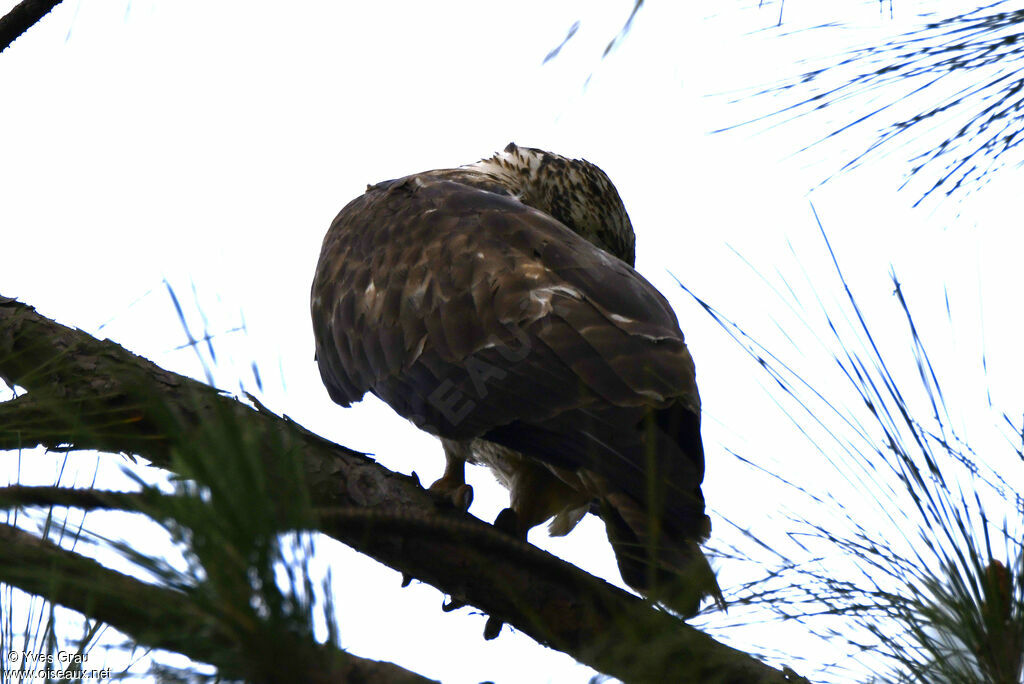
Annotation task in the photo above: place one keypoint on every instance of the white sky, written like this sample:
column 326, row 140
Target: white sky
column 211, row 144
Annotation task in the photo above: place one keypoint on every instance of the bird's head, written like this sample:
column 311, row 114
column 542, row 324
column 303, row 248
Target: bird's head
column 574, row 191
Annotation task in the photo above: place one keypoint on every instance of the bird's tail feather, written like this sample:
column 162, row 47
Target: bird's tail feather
column 656, row 563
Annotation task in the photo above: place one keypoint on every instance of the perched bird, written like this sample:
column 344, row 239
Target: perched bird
column 495, row 305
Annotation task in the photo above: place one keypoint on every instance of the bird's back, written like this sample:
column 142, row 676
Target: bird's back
column 477, row 316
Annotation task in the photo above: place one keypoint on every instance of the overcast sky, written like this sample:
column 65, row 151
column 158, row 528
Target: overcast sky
column 209, row 145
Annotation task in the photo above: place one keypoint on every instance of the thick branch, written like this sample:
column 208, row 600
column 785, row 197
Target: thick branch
column 389, row 516
column 21, row 18
column 159, row 617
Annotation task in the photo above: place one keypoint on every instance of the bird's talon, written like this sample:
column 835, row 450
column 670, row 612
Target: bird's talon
column 406, row 580
column 493, row 628
column 452, row 604
column 462, row 497
column 508, row 522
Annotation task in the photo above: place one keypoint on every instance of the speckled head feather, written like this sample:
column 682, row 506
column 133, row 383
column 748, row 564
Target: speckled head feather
column 574, row 191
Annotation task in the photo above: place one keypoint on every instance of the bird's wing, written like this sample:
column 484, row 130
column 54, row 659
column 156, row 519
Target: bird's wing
column 474, row 315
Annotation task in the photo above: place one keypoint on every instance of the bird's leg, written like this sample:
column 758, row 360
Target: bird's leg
column 527, row 510
column 452, row 488
column 511, row 522
column 452, row 485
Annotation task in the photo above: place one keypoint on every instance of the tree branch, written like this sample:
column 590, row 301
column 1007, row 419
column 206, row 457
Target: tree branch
column 21, row 18
column 385, row 515
column 160, row 617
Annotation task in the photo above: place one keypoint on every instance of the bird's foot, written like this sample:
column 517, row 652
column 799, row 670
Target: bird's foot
column 508, row 522
column 454, row 492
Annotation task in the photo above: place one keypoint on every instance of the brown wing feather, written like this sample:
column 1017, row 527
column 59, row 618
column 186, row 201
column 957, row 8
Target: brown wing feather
column 476, row 316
